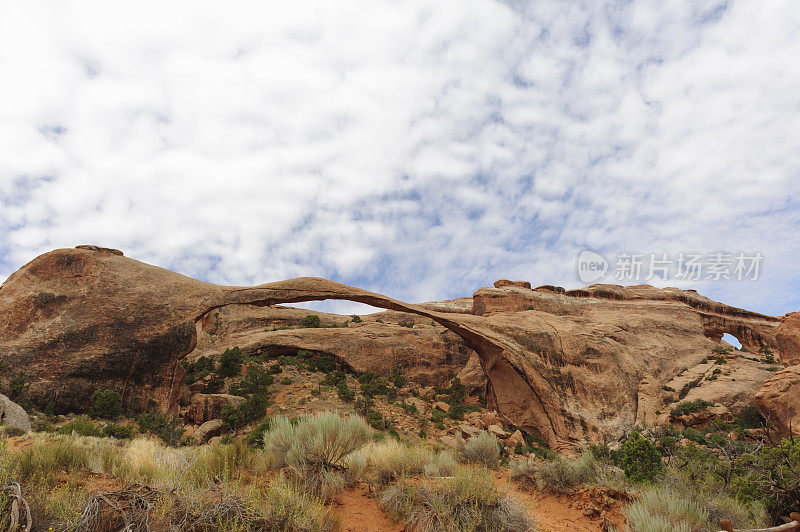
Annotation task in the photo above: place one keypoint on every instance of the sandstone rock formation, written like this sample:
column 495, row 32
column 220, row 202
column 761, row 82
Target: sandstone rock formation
column 787, row 338
column 779, row 401
column 13, row 415
column 568, row 365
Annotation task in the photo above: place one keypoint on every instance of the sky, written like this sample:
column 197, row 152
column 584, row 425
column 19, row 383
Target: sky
column 418, row 149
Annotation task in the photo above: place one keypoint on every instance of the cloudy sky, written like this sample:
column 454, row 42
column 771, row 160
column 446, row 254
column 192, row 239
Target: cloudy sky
column 419, row 149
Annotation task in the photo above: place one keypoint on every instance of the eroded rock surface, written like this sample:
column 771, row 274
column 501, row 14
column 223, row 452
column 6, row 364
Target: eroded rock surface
column 779, row 401
column 570, row 365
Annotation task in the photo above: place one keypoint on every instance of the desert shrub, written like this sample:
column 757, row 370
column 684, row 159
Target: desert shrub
column 483, row 449
column 562, row 475
column 316, row 448
column 694, row 435
column 406, row 323
column 467, row 501
column 390, row 459
column 355, row 318
column 335, row 378
column 437, row 416
column 398, row 379
column 322, row 363
column 408, row 407
column 639, row 459
column 344, row 393
column 319, row 442
column 456, row 412
column 18, row 385
column 256, row 379
column 326, row 439
column 106, row 404
column 441, row 465
column 311, row 321
column 749, row 418
column 230, row 363
column 214, row 385
column 375, row 420
column 275, row 368
column 663, row 510
column 120, row 432
column 169, row 430
column 523, row 469
column 200, row 368
column 372, row 385
column 81, row 425
column 256, row 436
column 286, row 381
column 769, row 475
column 689, row 407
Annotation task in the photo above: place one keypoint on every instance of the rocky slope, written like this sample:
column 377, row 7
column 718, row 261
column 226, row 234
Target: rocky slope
column 569, row 365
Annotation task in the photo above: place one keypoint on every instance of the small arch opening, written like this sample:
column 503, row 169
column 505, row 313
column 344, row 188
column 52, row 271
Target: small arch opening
column 731, row 340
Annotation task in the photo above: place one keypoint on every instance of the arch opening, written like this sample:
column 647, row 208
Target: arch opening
column 730, row 339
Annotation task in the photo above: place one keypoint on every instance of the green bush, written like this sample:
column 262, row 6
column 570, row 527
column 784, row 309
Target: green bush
column 230, row 363
column 286, row 381
column 106, row 404
column 311, row 321
column 18, row 385
column 639, row 459
column 120, row 432
column 372, row 385
column 456, row 412
column 355, row 318
column 770, row 475
column 200, row 368
column 168, row 429
column 82, row 426
column 345, row 393
column 256, row 436
column 256, row 379
column 214, row 385
column 437, row 416
column 275, row 368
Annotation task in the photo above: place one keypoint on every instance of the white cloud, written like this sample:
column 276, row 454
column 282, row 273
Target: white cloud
column 416, row 151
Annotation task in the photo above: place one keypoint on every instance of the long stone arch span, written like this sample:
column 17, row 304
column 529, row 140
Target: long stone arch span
column 77, row 320
column 519, row 391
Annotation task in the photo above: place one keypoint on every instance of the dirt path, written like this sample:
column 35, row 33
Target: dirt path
column 359, row 512
column 586, row 511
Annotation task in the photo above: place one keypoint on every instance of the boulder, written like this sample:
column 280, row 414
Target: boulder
column 489, row 418
column 208, row 430
column 422, row 407
column 705, row 416
column 516, row 438
column 779, row 401
column 497, row 431
column 206, row 407
column 13, row 415
column 441, row 405
column 518, row 284
column 451, row 441
column 468, row 430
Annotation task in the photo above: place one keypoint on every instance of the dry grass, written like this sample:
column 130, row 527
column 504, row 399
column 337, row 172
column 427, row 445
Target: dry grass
column 468, row 501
